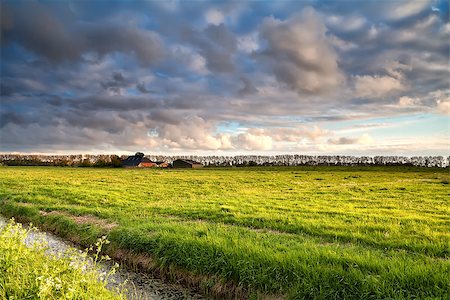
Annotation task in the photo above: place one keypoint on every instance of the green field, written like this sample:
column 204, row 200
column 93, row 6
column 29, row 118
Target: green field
column 293, row 232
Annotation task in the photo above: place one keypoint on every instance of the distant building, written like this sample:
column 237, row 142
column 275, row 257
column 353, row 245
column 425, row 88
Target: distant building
column 138, row 160
column 162, row 164
column 146, row 163
column 186, row 163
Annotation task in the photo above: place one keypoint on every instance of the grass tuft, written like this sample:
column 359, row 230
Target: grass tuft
column 33, row 272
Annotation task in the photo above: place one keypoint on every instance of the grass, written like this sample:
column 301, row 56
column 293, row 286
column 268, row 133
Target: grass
column 292, row 232
column 31, row 272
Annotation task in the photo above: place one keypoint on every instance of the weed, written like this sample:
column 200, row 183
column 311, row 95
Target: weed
column 33, row 272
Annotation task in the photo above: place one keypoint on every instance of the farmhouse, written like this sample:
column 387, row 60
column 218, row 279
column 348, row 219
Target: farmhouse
column 186, row 163
column 138, row 160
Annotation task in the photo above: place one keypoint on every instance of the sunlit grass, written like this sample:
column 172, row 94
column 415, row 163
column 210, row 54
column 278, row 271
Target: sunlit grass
column 301, row 232
column 30, row 271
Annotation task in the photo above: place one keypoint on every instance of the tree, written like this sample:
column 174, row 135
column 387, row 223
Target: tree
column 115, row 161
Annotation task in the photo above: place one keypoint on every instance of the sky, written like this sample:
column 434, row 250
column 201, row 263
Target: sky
column 225, row 77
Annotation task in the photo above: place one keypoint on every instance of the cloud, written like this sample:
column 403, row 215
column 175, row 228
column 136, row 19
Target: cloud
column 442, row 99
column 214, row 16
column 190, row 133
column 113, row 102
column 254, row 140
column 116, row 84
column 364, row 139
column 248, row 87
column 35, row 27
column 248, row 43
column 341, row 44
column 404, row 9
column 104, row 38
column 188, row 58
column 295, row 134
column 194, row 132
column 367, row 86
column 299, row 53
column 406, row 101
column 142, row 88
column 216, row 44
column 268, row 138
column 443, row 107
column 13, row 118
column 376, row 86
column 346, row 23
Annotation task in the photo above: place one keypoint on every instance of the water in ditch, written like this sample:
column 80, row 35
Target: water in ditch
column 139, row 285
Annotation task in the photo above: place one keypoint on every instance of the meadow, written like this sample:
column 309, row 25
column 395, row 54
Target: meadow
column 281, row 232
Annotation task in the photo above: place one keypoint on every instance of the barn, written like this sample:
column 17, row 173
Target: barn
column 146, row 163
column 138, row 160
column 186, row 163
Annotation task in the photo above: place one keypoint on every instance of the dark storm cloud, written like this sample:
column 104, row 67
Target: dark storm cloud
column 216, row 44
column 5, row 89
column 141, row 87
column 116, row 83
column 115, row 103
column 13, row 118
column 105, row 38
column 164, row 116
column 248, row 87
column 33, row 25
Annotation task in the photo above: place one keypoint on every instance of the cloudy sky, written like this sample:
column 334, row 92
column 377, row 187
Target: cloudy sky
column 199, row 77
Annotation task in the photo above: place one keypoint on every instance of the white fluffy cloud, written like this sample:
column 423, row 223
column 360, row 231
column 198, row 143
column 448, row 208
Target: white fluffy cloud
column 441, row 98
column 214, row 16
column 406, row 101
column 254, row 140
column 189, row 58
column 270, row 138
column 378, row 86
column 367, row 86
column 397, row 10
column 191, row 133
column 196, row 133
column 443, row 106
column 248, row 43
column 346, row 23
column 295, row 134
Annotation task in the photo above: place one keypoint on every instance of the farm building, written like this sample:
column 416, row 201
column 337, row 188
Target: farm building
column 162, row 164
column 146, row 163
column 186, row 163
column 138, row 160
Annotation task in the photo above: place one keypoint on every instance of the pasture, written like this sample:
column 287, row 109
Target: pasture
column 287, row 232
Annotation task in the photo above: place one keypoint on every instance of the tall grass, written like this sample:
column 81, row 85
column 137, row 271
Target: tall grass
column 33, row 272
column 298, row 232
